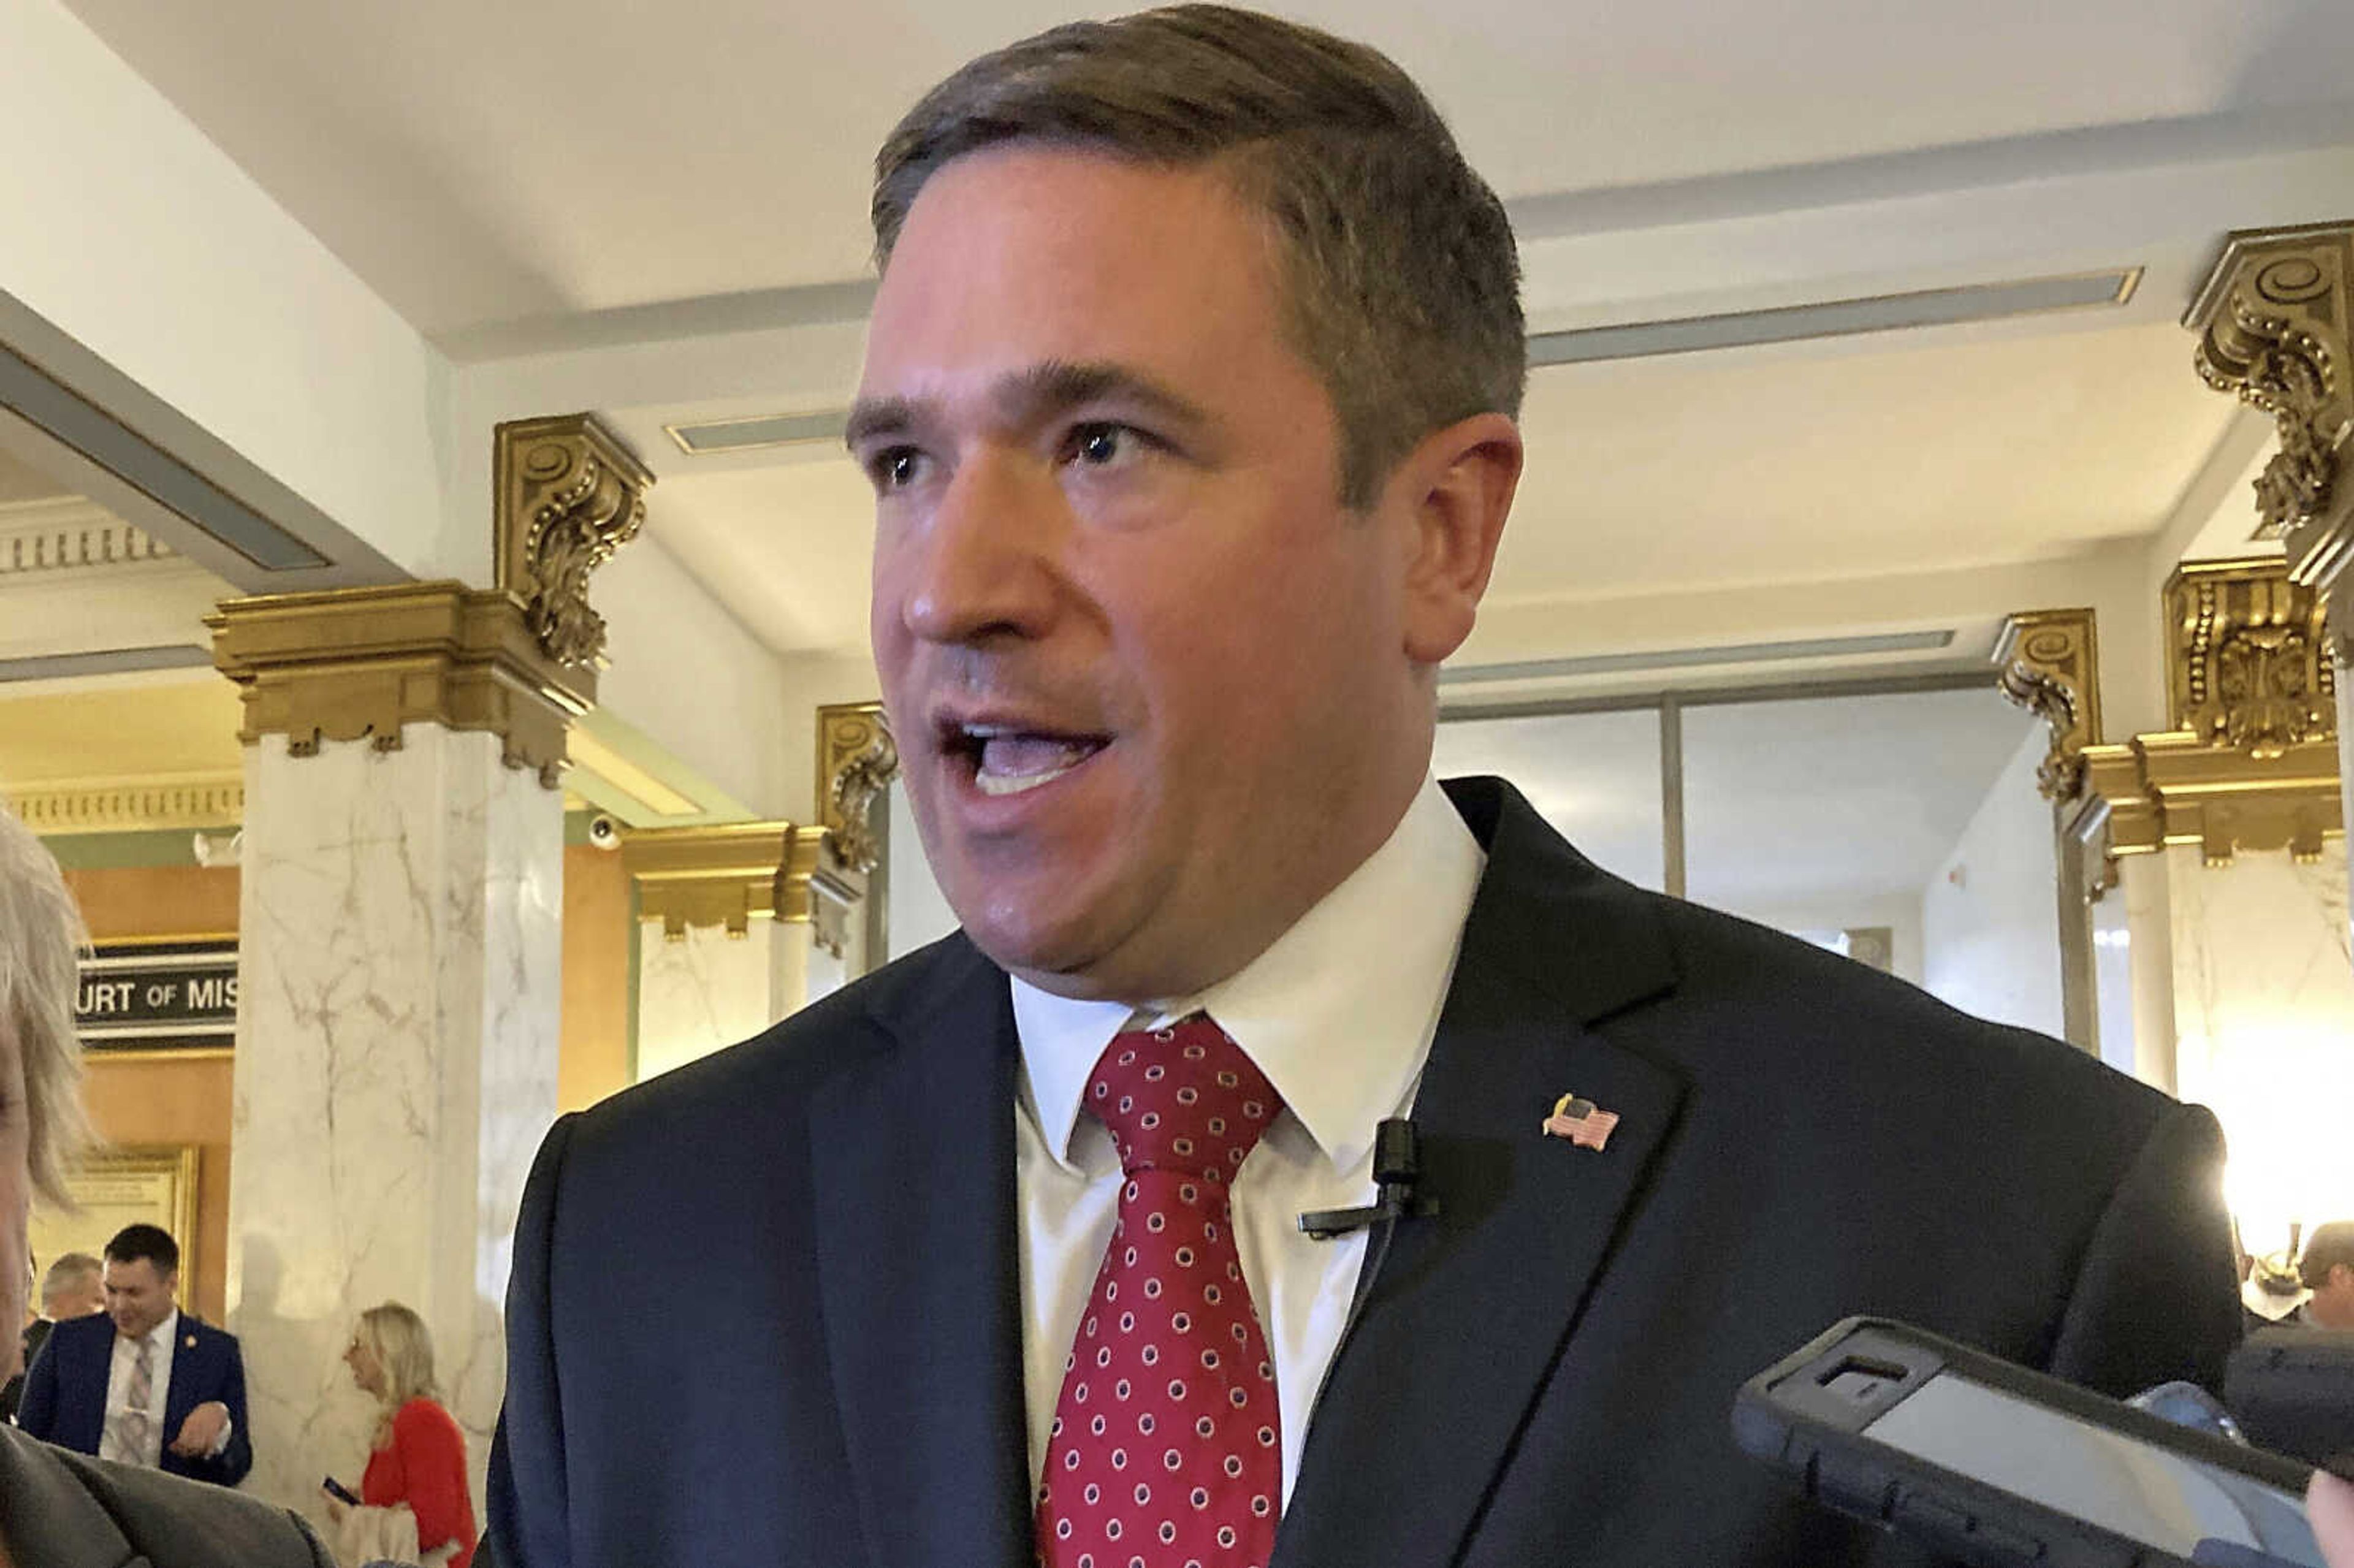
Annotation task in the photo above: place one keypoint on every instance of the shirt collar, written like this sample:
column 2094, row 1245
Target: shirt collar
column 1337, row 1012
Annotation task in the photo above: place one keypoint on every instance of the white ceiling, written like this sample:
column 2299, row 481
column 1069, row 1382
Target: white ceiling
column 486, row 160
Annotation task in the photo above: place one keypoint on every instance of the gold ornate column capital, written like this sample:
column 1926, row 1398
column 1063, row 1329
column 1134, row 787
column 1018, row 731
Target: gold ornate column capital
column 2249, row 762
column 359, row 664
column 725, row 875
column 2049, row 663
column 2272, row 325
column 568, row 495
column 856, row 760
column 517, row 659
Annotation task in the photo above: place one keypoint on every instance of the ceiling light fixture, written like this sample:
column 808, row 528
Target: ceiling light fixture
column 1688, row 658
column 1836, row 318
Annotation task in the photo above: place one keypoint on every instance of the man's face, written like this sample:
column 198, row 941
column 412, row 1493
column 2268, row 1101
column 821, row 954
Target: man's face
column 16, row 1196
column 1152, row 682
column 2333, row 1302
column 137, row 1297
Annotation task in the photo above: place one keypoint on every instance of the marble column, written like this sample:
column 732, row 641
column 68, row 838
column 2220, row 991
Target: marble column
column 396, row 1070
column 707, row 988
column 2264, row 1020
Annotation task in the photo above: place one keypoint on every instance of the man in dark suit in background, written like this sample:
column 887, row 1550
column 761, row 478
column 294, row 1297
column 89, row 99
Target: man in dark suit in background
column 1189, row 405
column 147, row 1385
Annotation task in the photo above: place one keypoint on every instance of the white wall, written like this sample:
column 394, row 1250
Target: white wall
column 125, row 229
column 918, row 913
column 1991, row 915
column 688, row 676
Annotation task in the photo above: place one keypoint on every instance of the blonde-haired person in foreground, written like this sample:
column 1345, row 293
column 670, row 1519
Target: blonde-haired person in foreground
column 418, row 1466
column 61, row 1510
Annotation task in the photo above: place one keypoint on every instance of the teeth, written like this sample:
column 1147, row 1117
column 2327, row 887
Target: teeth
column 997, row 784
column 1011, row 762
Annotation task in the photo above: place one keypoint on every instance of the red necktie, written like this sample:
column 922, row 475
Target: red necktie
column 1166, row 1449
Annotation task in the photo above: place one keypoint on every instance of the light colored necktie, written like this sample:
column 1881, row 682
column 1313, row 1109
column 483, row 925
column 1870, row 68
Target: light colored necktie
column 132, row 1430
column 1165, row 1446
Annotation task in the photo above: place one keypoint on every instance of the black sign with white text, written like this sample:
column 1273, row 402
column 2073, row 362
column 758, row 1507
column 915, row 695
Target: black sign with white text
column 158, row 996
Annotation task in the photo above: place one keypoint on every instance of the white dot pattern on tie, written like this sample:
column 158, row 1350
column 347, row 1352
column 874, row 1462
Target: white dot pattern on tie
column 1165, row 1449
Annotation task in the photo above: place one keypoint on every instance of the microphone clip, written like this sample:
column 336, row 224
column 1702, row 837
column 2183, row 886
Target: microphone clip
column 1397, row 1168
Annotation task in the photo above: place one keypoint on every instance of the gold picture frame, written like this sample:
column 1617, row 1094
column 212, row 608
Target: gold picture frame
column 122, row 1186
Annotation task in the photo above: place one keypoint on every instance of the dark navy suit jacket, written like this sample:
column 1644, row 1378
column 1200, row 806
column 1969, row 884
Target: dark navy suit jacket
column 65, row 1393
column 1543, row 1372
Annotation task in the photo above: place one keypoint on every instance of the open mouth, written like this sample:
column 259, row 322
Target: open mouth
column 1008, row 760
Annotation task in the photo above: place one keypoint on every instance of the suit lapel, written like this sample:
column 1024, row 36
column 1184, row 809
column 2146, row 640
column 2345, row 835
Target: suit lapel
column 920, row 1273
column 179, row 1393
column 81, row 1394
column 1470, row 1308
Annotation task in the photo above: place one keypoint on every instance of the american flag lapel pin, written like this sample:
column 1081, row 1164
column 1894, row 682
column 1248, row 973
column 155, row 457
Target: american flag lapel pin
column 1580, row 1121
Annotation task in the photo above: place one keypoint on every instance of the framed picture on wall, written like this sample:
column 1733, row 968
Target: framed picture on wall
column 119, row 1187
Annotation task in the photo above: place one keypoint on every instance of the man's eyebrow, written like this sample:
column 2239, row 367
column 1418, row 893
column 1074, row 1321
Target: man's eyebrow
column 1057, row 386
column 873, row 416
column 1030, row 394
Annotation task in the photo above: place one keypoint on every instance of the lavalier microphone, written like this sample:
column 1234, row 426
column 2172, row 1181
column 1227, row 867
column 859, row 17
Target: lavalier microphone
column 1397, row 1167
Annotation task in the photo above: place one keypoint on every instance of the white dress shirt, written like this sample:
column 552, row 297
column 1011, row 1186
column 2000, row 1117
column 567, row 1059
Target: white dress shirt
column 1339, row 1013
column 163, row 1337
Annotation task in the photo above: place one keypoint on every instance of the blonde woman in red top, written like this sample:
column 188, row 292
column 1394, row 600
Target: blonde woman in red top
column 420, row 1460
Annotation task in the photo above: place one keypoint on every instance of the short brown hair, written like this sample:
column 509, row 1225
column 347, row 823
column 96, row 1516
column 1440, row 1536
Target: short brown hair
column 2332, row 1244
column 1402, row 282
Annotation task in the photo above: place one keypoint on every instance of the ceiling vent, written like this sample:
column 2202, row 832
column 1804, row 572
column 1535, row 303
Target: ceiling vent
column 1688, row 658
column 48, row 404
column 708, row 437
column 1836, row 318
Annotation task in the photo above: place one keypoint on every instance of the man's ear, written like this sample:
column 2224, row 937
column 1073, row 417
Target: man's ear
column 1456, row 488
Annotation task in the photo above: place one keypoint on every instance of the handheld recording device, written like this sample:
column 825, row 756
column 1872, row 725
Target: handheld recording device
column 1998, row 1464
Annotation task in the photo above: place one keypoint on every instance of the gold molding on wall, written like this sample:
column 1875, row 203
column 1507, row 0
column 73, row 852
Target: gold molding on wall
column 2272, row 319
column 348, row 663
column 2247, row 657
column 2050, row 664
column 856, row 760
column 518, row 661
column 132, row 805
column 725, row 875
column 569, row 494
column 2251, row 763
column 69, row 534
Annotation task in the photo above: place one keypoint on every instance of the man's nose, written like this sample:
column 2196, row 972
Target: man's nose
column 983, row 563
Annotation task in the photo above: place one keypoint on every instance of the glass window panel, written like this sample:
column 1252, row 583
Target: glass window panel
column 1595, row 777
column 1912, row 814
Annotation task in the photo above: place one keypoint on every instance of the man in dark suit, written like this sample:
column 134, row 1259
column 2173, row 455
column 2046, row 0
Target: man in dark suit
column 145, row 1384
column 69, row 1289
column 58, row 1509
column 1189, row 405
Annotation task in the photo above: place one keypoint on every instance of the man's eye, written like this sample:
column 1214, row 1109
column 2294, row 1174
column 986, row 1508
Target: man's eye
column 895, row 467
column 1100, row 446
